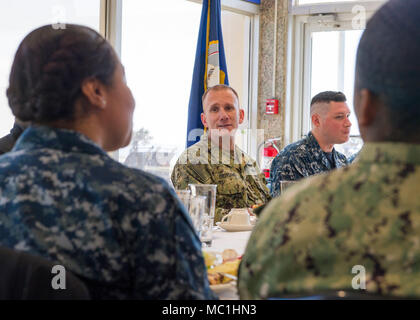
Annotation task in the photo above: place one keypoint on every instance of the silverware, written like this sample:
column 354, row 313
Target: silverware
column 228, row 275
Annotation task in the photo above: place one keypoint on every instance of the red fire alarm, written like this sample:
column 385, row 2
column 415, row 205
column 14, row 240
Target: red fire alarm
column 272, row 106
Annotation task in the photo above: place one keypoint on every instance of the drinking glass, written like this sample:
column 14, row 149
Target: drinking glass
column 285, row 184
column 197, row 204
column 209, row 191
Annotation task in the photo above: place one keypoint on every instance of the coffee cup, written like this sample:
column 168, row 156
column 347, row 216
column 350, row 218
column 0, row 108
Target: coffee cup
column 238, row 216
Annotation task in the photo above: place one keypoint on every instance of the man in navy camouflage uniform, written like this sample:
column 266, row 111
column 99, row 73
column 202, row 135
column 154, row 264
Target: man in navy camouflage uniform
column 121, row 230
column 315, row 153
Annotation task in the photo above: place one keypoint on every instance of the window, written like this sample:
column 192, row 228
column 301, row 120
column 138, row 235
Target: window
column 321, row 57
column 301, row 2
column 18, row 18
column 158, row 44
column 236, row 38
column 332, row 68
column 158, row 50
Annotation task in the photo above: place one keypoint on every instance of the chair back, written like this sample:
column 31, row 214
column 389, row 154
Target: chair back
column 24, row 276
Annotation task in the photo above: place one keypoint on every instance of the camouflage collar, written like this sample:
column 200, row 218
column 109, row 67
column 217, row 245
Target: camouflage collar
column 318, row 153
column 37, row 137
column 313, row 143
column 390, row 152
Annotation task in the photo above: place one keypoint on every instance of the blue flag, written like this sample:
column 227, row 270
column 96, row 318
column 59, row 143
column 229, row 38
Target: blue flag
column 210, row 65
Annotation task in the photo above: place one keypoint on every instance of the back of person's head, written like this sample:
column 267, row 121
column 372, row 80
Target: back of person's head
column 388, row 65
column 319, row 103
column 49, row 68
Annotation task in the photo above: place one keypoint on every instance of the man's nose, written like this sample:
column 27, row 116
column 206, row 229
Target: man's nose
column 347, row 123
column 223, row 115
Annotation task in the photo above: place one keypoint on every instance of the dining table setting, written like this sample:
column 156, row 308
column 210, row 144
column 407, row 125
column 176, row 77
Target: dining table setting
column 223, row 242
column 223, row 257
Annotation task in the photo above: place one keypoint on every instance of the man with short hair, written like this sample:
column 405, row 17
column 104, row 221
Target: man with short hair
column 355, row 228
column 315, row 153
column 215, row 159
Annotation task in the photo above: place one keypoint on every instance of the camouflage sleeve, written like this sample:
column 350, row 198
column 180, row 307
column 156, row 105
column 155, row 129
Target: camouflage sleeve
column 274, row 177
column 263, row 182
column 265, row 190
column 184, row 174
column 176, row 268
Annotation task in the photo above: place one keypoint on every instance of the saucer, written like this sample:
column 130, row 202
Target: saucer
column 235, row 227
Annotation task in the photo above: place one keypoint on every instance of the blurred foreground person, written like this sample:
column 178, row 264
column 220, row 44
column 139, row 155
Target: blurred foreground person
column 356, row 228
column 119, row 229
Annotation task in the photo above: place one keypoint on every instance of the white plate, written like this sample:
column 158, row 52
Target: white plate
column 235, row 227
column 224, row 286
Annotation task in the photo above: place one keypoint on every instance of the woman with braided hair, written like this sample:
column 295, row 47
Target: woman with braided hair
column 121, row 230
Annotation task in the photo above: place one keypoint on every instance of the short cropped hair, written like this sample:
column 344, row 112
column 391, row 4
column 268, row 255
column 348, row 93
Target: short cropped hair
column 219, row 87
column 326, row 97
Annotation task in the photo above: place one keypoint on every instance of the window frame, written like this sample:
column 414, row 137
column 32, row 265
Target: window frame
column 111, row 28
column 253, row 12
column 110, row 22
column 302, row 21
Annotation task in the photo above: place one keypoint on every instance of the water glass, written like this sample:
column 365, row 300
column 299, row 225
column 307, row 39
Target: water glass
column 207, row 222
column 285, row 184
column 197, row 204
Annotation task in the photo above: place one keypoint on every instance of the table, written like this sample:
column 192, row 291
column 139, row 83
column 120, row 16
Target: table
column 229, row 240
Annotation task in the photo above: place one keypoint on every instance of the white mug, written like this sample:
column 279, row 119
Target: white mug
column 238, row 216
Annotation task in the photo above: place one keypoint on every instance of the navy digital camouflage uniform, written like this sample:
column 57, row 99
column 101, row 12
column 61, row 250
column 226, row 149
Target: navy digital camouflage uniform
column 353, row 157
column 120, row 229
column 240, row 183
column 302, row 159
column 366, row 214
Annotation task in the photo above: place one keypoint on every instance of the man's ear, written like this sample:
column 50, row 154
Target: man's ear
column 241, row 115
column 368, row 108
column 94, row 92
column 203, row 120
column 316, row 120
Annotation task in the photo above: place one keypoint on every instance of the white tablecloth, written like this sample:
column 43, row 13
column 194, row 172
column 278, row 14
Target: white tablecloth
column 229, row 240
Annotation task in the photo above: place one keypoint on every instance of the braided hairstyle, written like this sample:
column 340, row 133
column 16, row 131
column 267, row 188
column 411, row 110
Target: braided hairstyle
column 49, row 68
